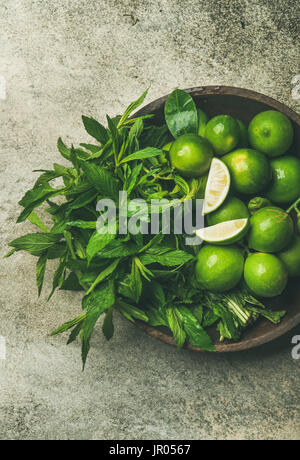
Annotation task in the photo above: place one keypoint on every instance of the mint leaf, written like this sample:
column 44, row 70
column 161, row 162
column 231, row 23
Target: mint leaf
column 131, row 180
column 82, row 200
column 169, row 258
column 155, row 317
column 59, row 275
column 273, row 316
column 46, row 177
column 36, row 194
column 117, row 248
column 35, row 197
column 66, row 326
column 108, row 325
column 57, row 250
column 116, row 138
column 82, row 224
column 101, row 180
column 97, row 242
column 134, row 105
column 157, row 293
column 197, row 311
column 131, row 312
column 155, row 136
column 10, row 253
column 62, row 171
column 135, row 283
column 92, row 148
column 103, row 275
column 63, row 149
column 35, row 220
column 175, row 323
column 74, row 333
column 71, row 283
column 195, row 333
column 96, row 303
column 95, row 129
column 134, row 134
column 228, row 327
column 35, row 243
column 68, row 238
column 40, row 271
column 209, row 318
column 148, row 152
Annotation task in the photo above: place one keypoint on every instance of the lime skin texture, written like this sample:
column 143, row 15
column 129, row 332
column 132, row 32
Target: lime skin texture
column 223, row 133
column 271, row 132
column 219, row 268
column 271, row 230
column 285, row 184
column 265, row 275
column 191, row 155
column 290, row 257
column 249, row 169
column 233, row 208
column 202, row 122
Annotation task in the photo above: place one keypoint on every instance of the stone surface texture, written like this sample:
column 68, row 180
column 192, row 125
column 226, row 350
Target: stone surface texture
column 65, row 58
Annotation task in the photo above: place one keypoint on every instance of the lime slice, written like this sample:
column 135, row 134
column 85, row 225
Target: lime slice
column 217, row 187
column 225, row 232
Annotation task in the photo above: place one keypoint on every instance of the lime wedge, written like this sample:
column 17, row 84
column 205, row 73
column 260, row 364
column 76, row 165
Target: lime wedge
column 225, row 232
column 217, row 187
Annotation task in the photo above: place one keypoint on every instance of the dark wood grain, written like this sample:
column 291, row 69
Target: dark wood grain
column 243, row 104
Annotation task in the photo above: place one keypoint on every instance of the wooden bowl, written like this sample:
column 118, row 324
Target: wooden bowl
column 242, row 104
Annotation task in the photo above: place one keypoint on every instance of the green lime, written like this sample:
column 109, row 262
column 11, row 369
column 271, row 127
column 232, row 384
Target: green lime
column 244, row 141
column 265, row 275
column 285, row 185
column 291, row 257
column 223, row 133
column 217, row 187
column 298, row 223
column 232, row 208
column 202, row 122
column 191, row 155
column 258, row 203
column 250, row 170
column 271, row 230
column 225, row 233
column 219, row 268
column 271, row 132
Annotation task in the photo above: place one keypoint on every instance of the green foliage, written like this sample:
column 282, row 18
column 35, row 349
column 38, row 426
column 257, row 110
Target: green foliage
column 181, row 113
column 108, row 325
column 175, row 323
column 144, row 277
column 95, row 129
column 97, row 303
column 148, row 152
column 35, row 243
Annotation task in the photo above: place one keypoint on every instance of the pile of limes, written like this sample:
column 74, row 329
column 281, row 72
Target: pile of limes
column 253, row 177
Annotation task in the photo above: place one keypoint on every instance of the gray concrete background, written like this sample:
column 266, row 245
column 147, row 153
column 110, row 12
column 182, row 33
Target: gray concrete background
column 65, row 58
